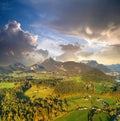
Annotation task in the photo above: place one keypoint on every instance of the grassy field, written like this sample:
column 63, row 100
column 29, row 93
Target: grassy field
column 82, row 115
column 102, row 117
column 39, row 91
column 75, row 78
column 77, row 115
column 34, row 75
column 89, row 101
column 102, row 87
column 6, row 85
column 74, row 102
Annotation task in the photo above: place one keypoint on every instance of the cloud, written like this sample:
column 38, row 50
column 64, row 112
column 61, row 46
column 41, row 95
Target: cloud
column 75, row 52
column 43, row 53
column 111, row 51
column 110, row 54
column 69, row 52
column 85, row 54
column 93, row 20
column 14, row 42
column 94, row 23
column 89, row 31
column 70, row 48
column 111, row 33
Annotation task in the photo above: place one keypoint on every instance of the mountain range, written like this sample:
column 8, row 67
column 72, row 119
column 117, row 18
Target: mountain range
column 114, row 67
column 104, row 68
column 69, row 67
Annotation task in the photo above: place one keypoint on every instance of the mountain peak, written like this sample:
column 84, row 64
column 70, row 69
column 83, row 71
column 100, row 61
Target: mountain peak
column 92, row 63
column 50, row 59
column 95, row 64
column 18, row 64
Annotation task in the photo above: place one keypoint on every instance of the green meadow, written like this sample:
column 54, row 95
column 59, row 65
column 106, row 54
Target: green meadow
column 77, row 115
column 39, row 92
column 83, row 115
column 6, row 85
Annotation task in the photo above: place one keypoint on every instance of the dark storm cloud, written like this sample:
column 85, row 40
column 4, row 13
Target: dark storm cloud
column 88, row 19
column 14, row 42
column 44, row 53
column 92, row 20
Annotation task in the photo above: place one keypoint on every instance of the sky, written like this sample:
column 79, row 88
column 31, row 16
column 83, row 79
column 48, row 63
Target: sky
column 70, row 30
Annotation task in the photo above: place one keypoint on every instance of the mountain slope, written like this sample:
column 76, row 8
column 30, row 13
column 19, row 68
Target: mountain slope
column 96, row 75
column 69, row 67
column 10, row 68
column 72, row 67
column 114, row 67
column 51, row 65
column 5, row 70
column 17, row 66
column 37, row 67
column 94, row 64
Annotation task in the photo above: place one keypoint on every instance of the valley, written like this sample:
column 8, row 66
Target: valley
column 47, row 93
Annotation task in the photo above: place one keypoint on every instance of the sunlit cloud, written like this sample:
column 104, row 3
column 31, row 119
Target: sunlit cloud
column 14, row 42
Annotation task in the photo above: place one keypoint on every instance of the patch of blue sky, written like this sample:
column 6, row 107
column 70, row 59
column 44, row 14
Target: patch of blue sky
column 47, row 33
column 95, row 47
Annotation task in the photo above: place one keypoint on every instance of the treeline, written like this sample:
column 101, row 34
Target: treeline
column 116, row 88
column 69, row 87
column 52, row 82
column 96, row 75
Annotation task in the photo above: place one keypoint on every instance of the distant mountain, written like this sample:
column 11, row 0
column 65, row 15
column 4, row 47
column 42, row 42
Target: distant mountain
column 69, row 67
column 10, row 68
column 114, row 67
column 5, row 70
column 17, row 66
column 94, row 64
column 51, row 65
column 72, row 67
column 89, row 71
column 36, row 67
column 96, row 75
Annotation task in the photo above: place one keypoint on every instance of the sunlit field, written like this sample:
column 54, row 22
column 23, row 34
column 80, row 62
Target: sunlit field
column 6, row 85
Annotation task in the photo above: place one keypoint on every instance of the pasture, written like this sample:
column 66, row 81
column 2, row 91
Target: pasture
column 6, row 85
column 77, row 115
column 39, row 91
